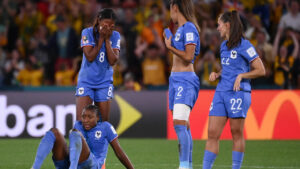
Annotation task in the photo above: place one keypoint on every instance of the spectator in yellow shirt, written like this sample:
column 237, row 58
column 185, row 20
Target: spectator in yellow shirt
column 64, row 76
column 30, row 76
column 153, row 67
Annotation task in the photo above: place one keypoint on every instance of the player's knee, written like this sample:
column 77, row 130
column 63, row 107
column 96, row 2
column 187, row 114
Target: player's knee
column 74, row 132
column 236, row 132
column 55, row 131
column 213, row 134
column 57, row 134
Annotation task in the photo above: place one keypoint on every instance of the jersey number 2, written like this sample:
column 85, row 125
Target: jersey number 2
column 180, row 89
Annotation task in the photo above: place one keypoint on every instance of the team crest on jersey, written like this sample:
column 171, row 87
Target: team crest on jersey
column 233, row 54
column 80, row 90
column 177, row 37
column 98, row 134
column 85, row 40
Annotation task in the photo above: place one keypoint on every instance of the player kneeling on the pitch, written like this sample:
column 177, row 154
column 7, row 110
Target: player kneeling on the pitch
column 88, row 144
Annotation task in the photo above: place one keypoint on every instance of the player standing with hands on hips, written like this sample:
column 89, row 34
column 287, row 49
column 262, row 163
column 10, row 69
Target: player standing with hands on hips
column 232, row 98
column 184, row 84
column 101, row 47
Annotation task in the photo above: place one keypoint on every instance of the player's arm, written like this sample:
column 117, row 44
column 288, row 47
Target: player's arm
column 257, row 70
column 214, row 75
column 186, row 55
column 91, row 52
column 112, row 54
column 121, row 154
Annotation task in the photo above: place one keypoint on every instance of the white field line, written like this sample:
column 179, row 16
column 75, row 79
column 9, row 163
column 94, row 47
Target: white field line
column 161, row 166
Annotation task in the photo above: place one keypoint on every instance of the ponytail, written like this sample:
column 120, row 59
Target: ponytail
column 186, row 7
column 236, row 28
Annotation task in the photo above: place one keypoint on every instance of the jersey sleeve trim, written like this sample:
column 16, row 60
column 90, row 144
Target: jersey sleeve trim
column 253, row 58
column 191, row 43
column 117, row 48
column 114, row 139
column 86, row 45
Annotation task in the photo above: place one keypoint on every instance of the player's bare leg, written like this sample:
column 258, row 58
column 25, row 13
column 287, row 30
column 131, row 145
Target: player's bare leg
column 60, row 149
column 216, row 125
column 238, row 149
column 81, row 102
column 104, row 108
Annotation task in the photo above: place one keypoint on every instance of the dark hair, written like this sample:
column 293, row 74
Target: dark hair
column 236, row 28
column 106, row 13
column 92, row 108
column 186, row 7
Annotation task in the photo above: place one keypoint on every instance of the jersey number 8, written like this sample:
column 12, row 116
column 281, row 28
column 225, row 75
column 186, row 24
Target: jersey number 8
column 101, row 58
column 109, row 93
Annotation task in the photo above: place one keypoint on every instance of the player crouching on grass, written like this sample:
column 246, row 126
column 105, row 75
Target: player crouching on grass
column 88, row 144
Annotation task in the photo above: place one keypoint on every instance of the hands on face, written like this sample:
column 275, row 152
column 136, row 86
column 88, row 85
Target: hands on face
column 105, row 30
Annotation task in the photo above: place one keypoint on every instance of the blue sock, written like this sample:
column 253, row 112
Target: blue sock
column 44, row 149
column 237, row 159
column 191, row 149
column 208, row 159
column 184, row 143
column 75, row 148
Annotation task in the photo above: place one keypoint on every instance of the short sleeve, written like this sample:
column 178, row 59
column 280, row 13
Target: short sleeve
column 116, row 40
column 86, row 38
column 191, row 34
column 248, row 51
column 110, row 132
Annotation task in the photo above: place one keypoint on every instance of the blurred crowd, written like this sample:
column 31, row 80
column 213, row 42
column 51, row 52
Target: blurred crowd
column 40, row 41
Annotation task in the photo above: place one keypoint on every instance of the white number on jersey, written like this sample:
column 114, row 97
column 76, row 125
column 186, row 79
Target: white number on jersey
column 236, row 104
column 180, row 89
column 101, row 58
column 109, row 93
column 225, row 61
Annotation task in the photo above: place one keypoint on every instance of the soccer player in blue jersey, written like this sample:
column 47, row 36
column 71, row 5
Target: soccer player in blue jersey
column 101, row 47
column 232, row 98
column 183, row 83
column 88, row 144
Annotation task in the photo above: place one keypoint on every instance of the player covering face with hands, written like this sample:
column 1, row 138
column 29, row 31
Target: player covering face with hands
column 232, row 98
column 88, row 144
column 101, row 47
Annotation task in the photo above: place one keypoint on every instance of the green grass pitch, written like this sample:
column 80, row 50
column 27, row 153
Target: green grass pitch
column 162, row 154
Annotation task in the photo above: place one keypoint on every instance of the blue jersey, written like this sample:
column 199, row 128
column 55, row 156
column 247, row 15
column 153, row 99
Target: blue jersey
column 187, row 34
column 98, row 73
column 98, row 138
column 234, row 62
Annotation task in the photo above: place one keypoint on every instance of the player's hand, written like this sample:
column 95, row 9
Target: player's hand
column 168, row 41
column 237, row 83
column 213, row 76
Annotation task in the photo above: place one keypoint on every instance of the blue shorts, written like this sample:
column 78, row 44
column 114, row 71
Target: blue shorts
column 97, row 95
column 183, row 88
column 230, row 104
column 90, row 163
